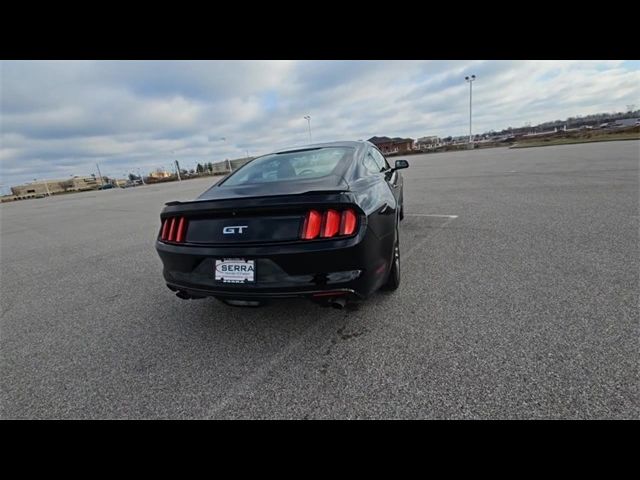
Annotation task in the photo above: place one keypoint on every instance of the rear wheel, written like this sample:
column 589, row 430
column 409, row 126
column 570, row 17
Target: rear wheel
column 393, row 282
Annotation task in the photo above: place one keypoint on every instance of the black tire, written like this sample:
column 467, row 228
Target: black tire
column 393, row 281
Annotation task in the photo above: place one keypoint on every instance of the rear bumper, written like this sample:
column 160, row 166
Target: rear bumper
column 355, row 266
column 252, row 295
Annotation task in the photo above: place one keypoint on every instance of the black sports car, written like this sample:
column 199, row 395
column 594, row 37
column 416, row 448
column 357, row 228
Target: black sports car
column 318, row 222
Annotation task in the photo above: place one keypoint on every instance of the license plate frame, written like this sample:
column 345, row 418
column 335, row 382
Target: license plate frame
column 235, row 270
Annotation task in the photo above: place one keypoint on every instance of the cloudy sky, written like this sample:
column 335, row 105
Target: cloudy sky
column 60, row 118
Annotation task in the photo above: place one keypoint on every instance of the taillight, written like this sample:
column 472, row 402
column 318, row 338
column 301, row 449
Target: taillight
column 311, row 226
column 328, row 224
column 180, row 233
column 165, row 229
column 174, row 229
column 348, row 223
column 331, row 223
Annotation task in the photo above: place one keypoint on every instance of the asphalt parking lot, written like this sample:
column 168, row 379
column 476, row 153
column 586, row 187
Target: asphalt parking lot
column 519, row 299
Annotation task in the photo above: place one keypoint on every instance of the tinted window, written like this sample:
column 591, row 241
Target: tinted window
column 370, row 163
column 380, row 160
column 375, row 162
column 299, row 165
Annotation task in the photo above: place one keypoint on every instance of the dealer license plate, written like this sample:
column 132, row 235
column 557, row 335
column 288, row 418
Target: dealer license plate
column 235, row 270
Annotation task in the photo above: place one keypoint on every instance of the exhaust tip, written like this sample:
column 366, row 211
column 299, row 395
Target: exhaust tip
column 187, row 296
column 338, row 303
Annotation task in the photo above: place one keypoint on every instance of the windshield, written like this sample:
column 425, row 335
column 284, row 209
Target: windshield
column 298, row 165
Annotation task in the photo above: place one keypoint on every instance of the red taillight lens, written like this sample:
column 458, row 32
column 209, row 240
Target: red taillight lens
column 331, row 223
column 165, row 229
column 348, row 223
column 311, row 226
column 174, row 229
column 181, row 230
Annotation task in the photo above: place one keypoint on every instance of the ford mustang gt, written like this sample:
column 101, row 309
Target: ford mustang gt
column 320, row 222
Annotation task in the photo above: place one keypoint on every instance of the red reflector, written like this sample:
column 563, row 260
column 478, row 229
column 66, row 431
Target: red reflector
column 348, row 224
column 331, row 223
column 182, row 228
column 329, row 294
column 165, row 229
column 172, row 229
column 311, row 226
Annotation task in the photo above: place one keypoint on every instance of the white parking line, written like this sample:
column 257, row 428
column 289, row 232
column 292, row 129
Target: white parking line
column 429, row 215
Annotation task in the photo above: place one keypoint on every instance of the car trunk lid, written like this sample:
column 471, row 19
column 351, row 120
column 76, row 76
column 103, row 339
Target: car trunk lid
column 265, row 219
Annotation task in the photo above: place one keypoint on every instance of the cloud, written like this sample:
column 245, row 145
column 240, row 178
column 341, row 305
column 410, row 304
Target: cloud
column 62, row 117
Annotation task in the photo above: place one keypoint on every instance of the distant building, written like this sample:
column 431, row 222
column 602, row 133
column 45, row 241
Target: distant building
column 83, row 183
column 392, row 145
column 460, row 139
column 424, row 143
column 541, row 134
column 159, row 173
column 52, row 187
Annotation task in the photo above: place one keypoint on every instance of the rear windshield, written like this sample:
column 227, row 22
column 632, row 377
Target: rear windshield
column 300, row 165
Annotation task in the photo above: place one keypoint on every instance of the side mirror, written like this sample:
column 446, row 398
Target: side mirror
column 401, row 164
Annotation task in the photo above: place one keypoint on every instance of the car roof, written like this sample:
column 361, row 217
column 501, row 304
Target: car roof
column 352, row 144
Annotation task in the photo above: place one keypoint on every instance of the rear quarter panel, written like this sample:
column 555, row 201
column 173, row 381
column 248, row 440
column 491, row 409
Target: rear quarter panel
column 373, row 194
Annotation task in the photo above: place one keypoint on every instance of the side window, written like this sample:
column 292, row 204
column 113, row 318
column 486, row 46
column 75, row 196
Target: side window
column 380, row 160
column 370, row 163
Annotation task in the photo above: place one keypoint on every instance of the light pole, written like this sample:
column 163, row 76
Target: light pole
column 100, row 175
column 173, row 153
column 470, row 81
column 308, row 119
column 224, row 139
